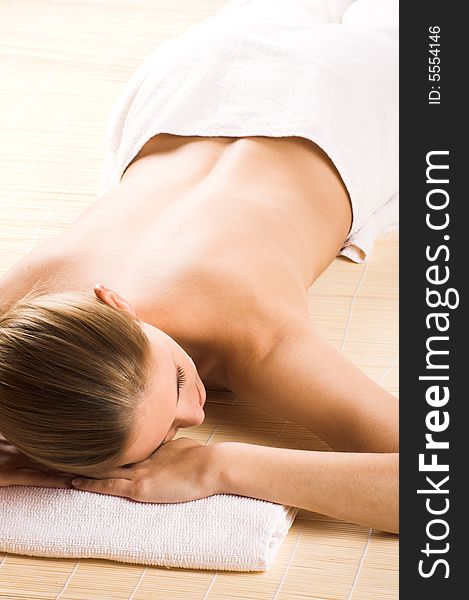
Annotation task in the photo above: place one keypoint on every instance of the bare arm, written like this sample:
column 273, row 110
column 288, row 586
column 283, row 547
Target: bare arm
column 300, row 377
column 18, row 469
column 356, row 487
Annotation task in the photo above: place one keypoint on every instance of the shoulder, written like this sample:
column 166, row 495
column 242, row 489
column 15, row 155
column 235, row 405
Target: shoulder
column 254, row 340
column 31, row 273
column 217, row 306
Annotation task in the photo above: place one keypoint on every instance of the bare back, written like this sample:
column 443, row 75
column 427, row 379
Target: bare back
column 200, row 227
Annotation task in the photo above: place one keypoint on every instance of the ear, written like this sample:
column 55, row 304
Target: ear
column 112, row 298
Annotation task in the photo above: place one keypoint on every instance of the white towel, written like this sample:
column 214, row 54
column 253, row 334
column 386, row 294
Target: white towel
column 326, row 70
column 222, row 532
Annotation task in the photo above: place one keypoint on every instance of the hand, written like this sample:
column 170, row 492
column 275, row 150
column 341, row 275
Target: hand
column 18, row 469
column 180, row 471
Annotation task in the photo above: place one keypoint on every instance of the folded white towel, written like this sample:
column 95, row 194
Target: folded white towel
column 359, row 245
column 222, row 532
column 326, row 70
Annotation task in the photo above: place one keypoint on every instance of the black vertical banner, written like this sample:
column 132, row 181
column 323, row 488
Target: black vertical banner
column 434, row 162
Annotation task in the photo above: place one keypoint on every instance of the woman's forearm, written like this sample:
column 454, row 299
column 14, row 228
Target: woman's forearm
column 356, row 487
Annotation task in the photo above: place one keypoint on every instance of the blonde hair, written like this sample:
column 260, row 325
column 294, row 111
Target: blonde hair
column 72, row 373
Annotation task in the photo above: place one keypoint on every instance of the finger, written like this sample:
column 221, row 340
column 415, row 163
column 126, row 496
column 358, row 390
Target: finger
column 113, row 487
column 37, row 479
column 23, row 462
column 69, row 474
column 15, row 464
column 102, row 474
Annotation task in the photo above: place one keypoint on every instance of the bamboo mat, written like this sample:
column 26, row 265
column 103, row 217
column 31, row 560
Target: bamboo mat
column 62, row 63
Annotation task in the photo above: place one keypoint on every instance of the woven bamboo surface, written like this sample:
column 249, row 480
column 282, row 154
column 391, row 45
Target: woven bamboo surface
column 62, row 63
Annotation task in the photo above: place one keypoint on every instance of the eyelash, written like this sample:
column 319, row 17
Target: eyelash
column 181, row 377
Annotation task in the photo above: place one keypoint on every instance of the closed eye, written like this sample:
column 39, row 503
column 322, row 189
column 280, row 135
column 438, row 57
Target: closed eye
column 181, row 378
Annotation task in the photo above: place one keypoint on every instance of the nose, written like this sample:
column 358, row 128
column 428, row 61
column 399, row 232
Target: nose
column 189, row 412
